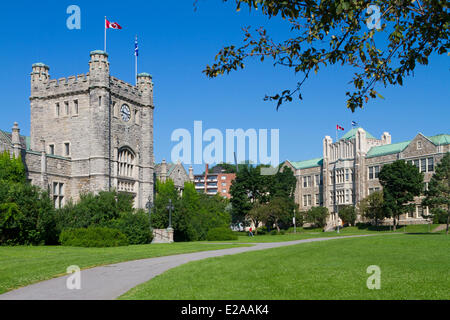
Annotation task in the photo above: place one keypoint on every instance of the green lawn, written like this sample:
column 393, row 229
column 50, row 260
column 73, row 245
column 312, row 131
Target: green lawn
column 23, row 265
column 412, row 267
column 317, row 233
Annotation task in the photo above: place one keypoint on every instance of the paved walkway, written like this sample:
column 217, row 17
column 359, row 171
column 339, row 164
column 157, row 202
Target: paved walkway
column 111, row 281
column 439, row 228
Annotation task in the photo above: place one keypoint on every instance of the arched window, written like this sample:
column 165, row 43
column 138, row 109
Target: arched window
column 126, row 163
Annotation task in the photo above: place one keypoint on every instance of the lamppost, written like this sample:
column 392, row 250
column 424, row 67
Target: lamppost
column 337, row 220
column 293, row 220
column 170, row 208
column 149, row 206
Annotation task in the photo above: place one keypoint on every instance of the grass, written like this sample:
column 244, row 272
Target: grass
column 23, row 265
column 317, row 233
column 412, row 267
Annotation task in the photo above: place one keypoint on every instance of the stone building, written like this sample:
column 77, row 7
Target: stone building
column 175, row 172
column 88, row 133
column 348, row 170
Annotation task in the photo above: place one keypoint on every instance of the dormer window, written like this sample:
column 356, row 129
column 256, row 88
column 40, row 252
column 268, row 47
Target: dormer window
column 419, row 145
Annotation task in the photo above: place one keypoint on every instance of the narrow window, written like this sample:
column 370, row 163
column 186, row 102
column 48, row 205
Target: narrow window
column 423, row 165
column 430, row 164
column 115, row 109
column 57, row 109
column 66, row 104
column 377, row 172
column 370, row 173
column 51, row 149
column 67, row 149
column 75, row 106
column 99, row 101
column 137, row 117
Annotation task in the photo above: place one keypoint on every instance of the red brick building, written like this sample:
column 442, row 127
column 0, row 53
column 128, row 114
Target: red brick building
column 215, row 182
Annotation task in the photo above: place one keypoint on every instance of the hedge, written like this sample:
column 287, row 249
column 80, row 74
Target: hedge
column 220, row 234
column 93, row 237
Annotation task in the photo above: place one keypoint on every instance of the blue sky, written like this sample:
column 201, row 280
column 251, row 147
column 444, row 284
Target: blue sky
column 176, row 43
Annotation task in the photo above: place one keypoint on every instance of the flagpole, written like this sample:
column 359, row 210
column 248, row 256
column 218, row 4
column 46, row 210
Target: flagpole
column 136, row 61
column 105, row 34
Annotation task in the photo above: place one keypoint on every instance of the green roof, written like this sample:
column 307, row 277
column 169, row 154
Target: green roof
column 352, row 134
column 144, row 74
column 387, row 149
column 40, row 64
column 307, row 163
column 99, row 52
column 440, row 139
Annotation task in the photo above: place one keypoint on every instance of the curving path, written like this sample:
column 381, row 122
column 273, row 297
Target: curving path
column 111, row 281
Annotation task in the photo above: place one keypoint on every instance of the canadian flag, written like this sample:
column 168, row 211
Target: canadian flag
column 338, row 127
column 112, row 25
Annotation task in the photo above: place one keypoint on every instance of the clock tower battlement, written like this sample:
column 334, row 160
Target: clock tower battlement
column 100, row 125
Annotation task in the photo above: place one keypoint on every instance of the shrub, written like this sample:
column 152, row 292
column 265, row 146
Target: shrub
column 93, row 237
column 317, row 216
column 135, row 226
column 282, row 232
column 348, row 214
column 220, row 234
column 261, row 230
column 273, row 232
column 27, row 215
column 94, row 210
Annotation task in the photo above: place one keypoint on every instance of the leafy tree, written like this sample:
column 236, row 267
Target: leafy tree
column 135, row 225
column 251, row 187
column 248, row 188
column 438, row 193
column 226, row 167
column 27, row 215
column 94, row 210
column 160, row 214
column 325, row 33
column 283, row 184
column 317, row 216
column 259, row 213
column 401, row 182
column 280, row 213
column 193, row 215
column 11, row 169
column 372, row 207
column 348, row 214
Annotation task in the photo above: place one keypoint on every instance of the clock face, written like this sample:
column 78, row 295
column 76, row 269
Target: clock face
column 125, row 113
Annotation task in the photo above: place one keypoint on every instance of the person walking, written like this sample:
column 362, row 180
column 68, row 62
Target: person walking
column 250, row 233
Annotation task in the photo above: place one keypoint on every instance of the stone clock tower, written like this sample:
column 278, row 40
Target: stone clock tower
column 91, row 132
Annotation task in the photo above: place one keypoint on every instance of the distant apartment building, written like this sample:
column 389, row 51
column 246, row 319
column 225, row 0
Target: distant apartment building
column 214, row 182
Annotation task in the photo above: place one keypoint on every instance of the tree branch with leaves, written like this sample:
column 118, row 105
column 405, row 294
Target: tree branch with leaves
column 325, row 33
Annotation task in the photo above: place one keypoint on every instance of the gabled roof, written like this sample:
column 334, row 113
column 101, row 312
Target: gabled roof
column 387, row 149
column 352, row 134
column 307, row 163
column 5, row 137
column 170, row 167
column 440, row 139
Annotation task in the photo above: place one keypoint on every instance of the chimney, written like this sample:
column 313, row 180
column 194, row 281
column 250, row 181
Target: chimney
column 15, row 139
column 191, row 174
column 163, row 170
